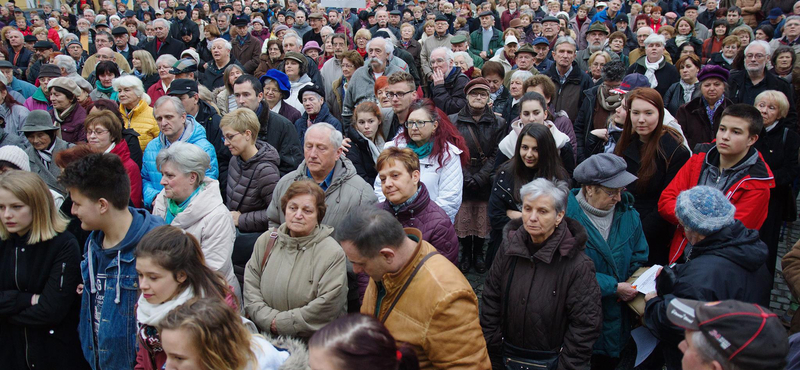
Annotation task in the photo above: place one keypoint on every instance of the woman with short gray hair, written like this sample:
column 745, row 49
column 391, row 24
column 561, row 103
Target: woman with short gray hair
column 192, row 202
column 654, row 66
column 542, row 255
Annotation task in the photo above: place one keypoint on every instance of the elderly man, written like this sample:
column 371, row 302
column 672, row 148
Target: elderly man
column 362, row 85
column 700, row 29
column 104, row 40
column 570, row 81
column 332, row 69
column 68, row 69
column 596, row 40
column 18, row 54
column 86, row 35
column 755, row 79
column 19, row 87
column 550, row 29
column 224, row 24
column 440, row 38
column 315, row 111
column 122, row 43
column 447, row 86
column 212, row 78
column 507, row 56
column 608, row 14
column 42, row 52
column 175, row 125
column 246, row 48
column 315, row 21
column 382, row 17
column 542, row 49
column 654, row 65
column 163, row 43
column 421, row 297
column 485, row 41
column 791, row 35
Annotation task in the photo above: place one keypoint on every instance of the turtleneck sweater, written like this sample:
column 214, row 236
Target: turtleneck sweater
column 600, row 219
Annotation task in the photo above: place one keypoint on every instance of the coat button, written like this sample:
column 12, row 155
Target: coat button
column 52, row 332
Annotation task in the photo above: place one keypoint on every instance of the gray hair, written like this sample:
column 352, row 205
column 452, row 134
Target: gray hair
column 90, row 12
column 68, row 37
column 565, row 40
column 220, row 39
column 287, row 35
column 655, row 38
column 792, row 18
column 188, row 158
column 388, row 46
column 169, row 58
column 67, row 63
column 161, row 20
column 336, row 136
column 555, row 189
column 467, row 58
column 649, row 30
column 761, row 43
column 172, row 99
column 708, row 353
column 131, row 82
column 520, row 75
column 448, row 53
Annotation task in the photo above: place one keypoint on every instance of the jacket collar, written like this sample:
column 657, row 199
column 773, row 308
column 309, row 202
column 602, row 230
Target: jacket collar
column 394, row 281
column 568, row 239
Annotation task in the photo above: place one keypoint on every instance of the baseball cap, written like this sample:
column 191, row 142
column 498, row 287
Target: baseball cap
column 631, row 82
column 182, row 86
column 184, row 65
column 540, row 40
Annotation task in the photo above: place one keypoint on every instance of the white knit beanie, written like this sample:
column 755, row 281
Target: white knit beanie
column 16, row 156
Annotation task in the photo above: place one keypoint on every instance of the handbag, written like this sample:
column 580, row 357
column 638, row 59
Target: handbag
column 516, row 358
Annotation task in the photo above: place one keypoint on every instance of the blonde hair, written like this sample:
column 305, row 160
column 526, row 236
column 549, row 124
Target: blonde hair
column 241, row 120
column 148, row 64
column 776, row 97
column 47, row 221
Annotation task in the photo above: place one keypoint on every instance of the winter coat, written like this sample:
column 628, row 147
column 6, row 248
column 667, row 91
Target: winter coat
column 445, row 184
column 476, row 42
column 33, row 104
column 141, row 119
column 429, row 45
column 437, row 315
column 694, row 120
column 6, row 139
column 360, row 88
column 450, row 96
column 250, row 186
column 673, row 99
column 14, row 117
column 247, row 53
column 489, row 131
column 361, row 157
column 750, row 194
column 569, row 96
column 718, row 60
column 213, row 77
column 581, row 31
column 666, row 74
column 584, row 123
column 289, row 112
column 184, row 27
column 72, row 130
column 674, row 51
column 615, row 260
column 303, row 285
column 324, row 115
column 711, row 46
column 791, row 272
column 48, row 173
column 507, row 16
column 346, row 192
column 728, row 264
column 44, row 335
column 281, row 134
column 742, row 91
column 750, row 10
column 134, row 172
column 151, row 176
column 569, row 320
column 170, row 45
column 294, row 99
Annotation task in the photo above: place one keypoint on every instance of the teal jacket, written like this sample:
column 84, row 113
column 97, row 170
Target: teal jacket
column 615, row 261
column 476, row 43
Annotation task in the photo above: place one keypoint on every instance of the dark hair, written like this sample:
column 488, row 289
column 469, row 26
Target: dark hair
column 359, row 341
column 735, row 9
column 780, row 50
column 748, row 113
column 306, row 187
column 99, row 175
column 614, row 71
column 549, row 165
column 495, row 68
column 63, row 158
column 104, row 33
column 178, row 251
column 445, row 134
column 370, row 229
column 721, row 22
column 767, row 29
column 109, row 105
column 721, row 12
column 9, row 100
column 105, row 67
column 254, row 82
column 340, row 36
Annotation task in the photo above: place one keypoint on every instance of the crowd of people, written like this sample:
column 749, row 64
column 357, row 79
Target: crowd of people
column 277, row 184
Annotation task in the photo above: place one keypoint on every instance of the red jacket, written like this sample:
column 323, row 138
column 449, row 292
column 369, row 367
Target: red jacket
column 134, row 173
column 750, row 195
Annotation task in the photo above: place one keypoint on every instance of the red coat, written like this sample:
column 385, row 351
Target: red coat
column 156, row 91
column 134, row 173
column 750, row 196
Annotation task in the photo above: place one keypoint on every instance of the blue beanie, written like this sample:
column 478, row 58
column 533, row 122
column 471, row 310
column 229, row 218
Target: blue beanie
column 704, row 210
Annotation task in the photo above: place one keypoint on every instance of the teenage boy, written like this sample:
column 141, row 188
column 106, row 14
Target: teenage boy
column 730, row 164
column 100, row 190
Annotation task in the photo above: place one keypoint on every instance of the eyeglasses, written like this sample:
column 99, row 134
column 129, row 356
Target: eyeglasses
column 97, row 132
column 614, row 192
column 478, row 94
column 230, row 137
column 392, row 94
column 417, row 124
column 756, row 56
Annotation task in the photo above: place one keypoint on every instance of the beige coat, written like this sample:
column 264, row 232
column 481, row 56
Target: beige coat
column 303, row 286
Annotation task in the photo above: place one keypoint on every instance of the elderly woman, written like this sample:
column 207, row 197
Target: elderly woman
column 67, row 113
column 408, row 43
column 164, row 63
column 40, row 98
column 654, row 66
column 724, row 58
column 367, row 138
column 686, row 89
column 599, row 103
column 296, row 281
column 463, row 60
column 294, row 65
column 105, row 72
column 363, row 36
column 783, row 61
column 351, row 61
column 515, row 90
column 616, row 244
column 779, row 144
column 597, row 60
column 276, row 90
column 699, row 118
column 542, row 255
column 483, row 131
column 144, row 67
column 134, row 105
column 684, row 34
column 44, row 145
column 130, row 136
column 192, row 202
column 226, row 102
column 381, row 83
column 428, row 30
column 104, row 134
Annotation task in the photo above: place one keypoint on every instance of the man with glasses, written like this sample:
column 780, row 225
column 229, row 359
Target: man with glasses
column 746, row 85
column 316, row 111
column 101, row 41
column 447, row 87
column 401, row 91
column 485, row 41
column 791, row 35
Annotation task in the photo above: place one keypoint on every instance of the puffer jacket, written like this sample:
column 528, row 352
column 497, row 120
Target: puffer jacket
column 141, row 119
column 303, row 286
column 134, row 173
column 450, row 96
column 72, row 130
column 48, row 173
column 437, row 315
column 569, row 96
column 694, row 121
column 615, row 260
column 207, row 218
column 250, row 197
column 346, row 191
column 569, row 319
column 673, row 98
column 489, row 131
column 445, row 184
column 324, row 115
column 151, row 176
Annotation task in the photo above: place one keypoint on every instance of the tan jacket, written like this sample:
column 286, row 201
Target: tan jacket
column 791, row 273
column 437, row 315
column 303, row 286
column 91, row 62
column 750, row 9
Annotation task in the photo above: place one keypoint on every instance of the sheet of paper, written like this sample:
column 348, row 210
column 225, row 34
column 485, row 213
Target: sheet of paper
column 647, row 282
column 645, row 343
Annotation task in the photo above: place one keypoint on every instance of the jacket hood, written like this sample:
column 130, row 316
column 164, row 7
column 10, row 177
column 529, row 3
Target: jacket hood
column 304, row 79
column 206, row 200
column 196, row 130
column 142, row 223
column 758, row 167
column 298, row 352
column 568, row 239
column 736, row 243
column 265, row 153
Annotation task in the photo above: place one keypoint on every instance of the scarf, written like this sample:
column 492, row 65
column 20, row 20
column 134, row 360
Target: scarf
column 608, row 101
column 710, row 110
column 681, row 39
column 61, row 117
column 511, row 59
column 106, row 90
column 174, row 209
column 407, row 203
column 422, row 151
column 47, row 154
column 651, row 71
column 152, row 314
column 688, row 90
column 374, row 146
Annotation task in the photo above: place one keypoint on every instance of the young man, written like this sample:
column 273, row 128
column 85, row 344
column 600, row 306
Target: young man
column 100, row 191
column 729, row 164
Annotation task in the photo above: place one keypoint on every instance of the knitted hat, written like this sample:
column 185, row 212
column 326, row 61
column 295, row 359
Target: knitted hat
column 16, row 156
column 478, row 83
column 38, row 120
column 713, row 71
column 281, row 27
column 704, row 209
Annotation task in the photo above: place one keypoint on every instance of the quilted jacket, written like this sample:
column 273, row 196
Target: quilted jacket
column 142, row 121
column 250, row 186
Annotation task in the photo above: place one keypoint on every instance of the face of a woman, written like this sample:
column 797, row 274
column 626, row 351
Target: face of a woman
column 98, row 138
column 729, row 51
column 158, row 285
column 272, row 93
column 181, row 351
column 602, row 197
column 654, row 51
column 106, row 78
column 532, row 111
column 655, row 15
column 301, row 215
column 712, row 89
column 59, row 100
column 597, row 66
column 616, row 45
column 515, row 88
column 292, row 69
column 367, row 124
column 384, row 100
column 540, row 217
column 689, row 72
column 361, row 41
column 620, row 113
column 39, row 140
column 137, row 63
column 274, row 52
column 235, row 73
column 348, row 68
column 686, row 50
column 644, row 117
column 478, row 98
column 407, row 33
column 127, row 97
column 784, row 62
column 237, row 142
column 721, row 30
column 529, row 151
column 760, row 35
column 429, row 30
column 684, row 28
column 769, row 111
column 423, row 128
column 744, row 37
column 17, row 216
column 582, row 13
column 641, row 23
column 163, row 71
column 177, row 186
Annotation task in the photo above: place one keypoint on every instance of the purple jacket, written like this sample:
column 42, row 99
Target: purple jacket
column 72, row 128
column 32, row 105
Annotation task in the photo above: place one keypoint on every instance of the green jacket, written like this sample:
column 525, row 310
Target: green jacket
column 476, row 43
column 615, row 261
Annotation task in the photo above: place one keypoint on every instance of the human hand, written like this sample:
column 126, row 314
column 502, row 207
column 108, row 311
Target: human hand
column 438, row 77
column 626, row 292
column 80, row 289
column 483, row 54
column 650, row 296
column 235, row 215
column 273, row 328
column 601, row 133
column 34, row 299
column 346, row 144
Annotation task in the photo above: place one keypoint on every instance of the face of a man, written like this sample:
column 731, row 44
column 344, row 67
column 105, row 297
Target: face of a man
column 374, row 267
column 549, row 29
column 246, row 97
column 44, row 53
column 564, row 54
column 290, row 44
column 222, row 22
column 614, row 5
column 440, row 63
column 733, row 17
column 791, row 29
column 377, row 50
column 401, row 96
column 333, row 18
column 641, row 35
column 460, row 47
column 312, row 103
column 169, row 121
column 524, row 61
column 755, row 59
column 394, row 19
column 319, row 152
column 121, row 41
column 441, row 27
column 487, row 21
column 711, row 5
column 733, row 136
column 15, row 38
column 596, row 40
column 382, row 17
column 162, row 31
column 315, row 24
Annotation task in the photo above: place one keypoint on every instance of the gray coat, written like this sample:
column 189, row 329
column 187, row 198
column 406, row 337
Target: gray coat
column 14, row 117
column 48, row 173
column 362, row 88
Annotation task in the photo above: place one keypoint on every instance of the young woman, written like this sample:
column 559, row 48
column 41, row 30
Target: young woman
column 714, row 43
column 294, row 65
column 684, row 34
column 224, row 94
column 654, row 153
column 171, row 270
column 39, row 273
column 367, row 138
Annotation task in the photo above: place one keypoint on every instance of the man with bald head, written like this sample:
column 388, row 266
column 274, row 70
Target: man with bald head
column 17, row 53
column 103, row 40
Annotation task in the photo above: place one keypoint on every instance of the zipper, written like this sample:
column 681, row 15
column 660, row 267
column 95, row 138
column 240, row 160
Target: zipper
column 61, row 283
column 16, row 269
column 27, row 359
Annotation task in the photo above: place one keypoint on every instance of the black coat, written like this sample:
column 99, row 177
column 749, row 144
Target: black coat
column 673, row 50
column 361, row 157
column 186, row 26
column 282, row 135
column 666, row 74
column 170, row 45
column 489, row 131
column 208, row 117
column 673, row 99
column 717, row 60
column 569, row 96
column 44, row 335
column 744, row 92
column 695, row 124
column 584, row 123
column 449, row 96
column 131, row 138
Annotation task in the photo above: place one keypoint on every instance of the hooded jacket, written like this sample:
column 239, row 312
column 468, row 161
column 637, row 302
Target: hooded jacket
column 324, row 115
column 134, row 173
column 250, row 187
column 450, row 96
column 193, row 133
column 569, row 96
column 281, row 134
column 294, row 99
column 141, row 119
column 303, row 286
column 568, row 320
column 110, row 294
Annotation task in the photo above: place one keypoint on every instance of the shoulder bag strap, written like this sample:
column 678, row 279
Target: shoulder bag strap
column 405, row 286
column 505, row 296
column 475, row 139
column 273, row 237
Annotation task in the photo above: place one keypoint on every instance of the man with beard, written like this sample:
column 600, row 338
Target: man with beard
column 382, row 18
column 362, row 85
column 596, row 39
column 755, row 79
column 447, row 88
column 183, row 25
